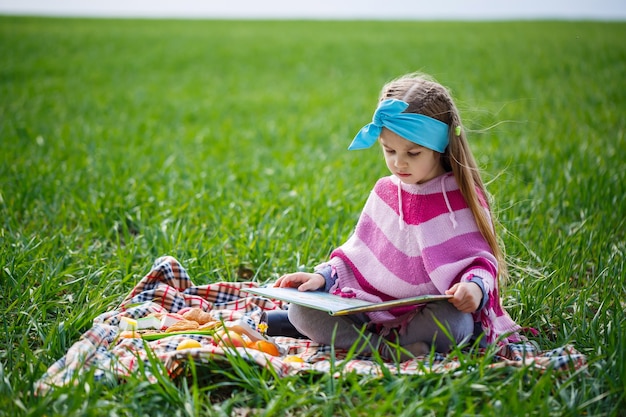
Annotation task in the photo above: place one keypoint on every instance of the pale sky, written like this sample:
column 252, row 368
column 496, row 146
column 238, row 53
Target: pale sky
column 326, row 9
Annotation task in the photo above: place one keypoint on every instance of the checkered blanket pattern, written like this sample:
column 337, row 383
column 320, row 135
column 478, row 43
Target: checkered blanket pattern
column 168, row 288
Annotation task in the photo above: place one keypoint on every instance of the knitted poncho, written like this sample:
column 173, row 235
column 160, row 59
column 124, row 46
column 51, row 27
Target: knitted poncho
column 415, row 239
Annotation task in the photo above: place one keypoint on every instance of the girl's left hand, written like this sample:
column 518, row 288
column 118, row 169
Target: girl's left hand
column 466, row 296
column 303, row 281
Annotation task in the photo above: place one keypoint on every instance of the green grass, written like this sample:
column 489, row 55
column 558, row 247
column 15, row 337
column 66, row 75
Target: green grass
column 223, row 143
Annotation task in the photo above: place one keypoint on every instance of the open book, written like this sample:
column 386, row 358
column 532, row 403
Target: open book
column 336, row 305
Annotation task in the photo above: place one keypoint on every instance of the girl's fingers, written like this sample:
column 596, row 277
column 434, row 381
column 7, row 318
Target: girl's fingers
column 289, row 280
column 304, row 287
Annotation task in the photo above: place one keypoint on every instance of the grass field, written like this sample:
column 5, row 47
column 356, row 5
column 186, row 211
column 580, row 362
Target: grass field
column 223, row 143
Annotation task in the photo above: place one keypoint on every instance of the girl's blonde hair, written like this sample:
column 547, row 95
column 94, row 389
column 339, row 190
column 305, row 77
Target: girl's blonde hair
column 426, row 96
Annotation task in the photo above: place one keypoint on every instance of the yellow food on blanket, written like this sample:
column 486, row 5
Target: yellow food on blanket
column 129, row 334
column 198, row 315
column 210, row 325
column 182, row 326
column 293, row 358
column 188, row 344
column 127, row 323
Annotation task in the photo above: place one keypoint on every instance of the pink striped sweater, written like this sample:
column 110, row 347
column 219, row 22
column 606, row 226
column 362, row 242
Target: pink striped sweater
column 424, row 247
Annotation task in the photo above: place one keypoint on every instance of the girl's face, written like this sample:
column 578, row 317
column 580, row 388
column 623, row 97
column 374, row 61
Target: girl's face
column 412, row 163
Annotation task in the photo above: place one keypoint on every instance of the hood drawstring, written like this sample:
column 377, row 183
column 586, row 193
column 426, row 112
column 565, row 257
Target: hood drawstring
column 400, row 210
column 451, row 216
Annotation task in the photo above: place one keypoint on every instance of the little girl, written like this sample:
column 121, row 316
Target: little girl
column 425, row 229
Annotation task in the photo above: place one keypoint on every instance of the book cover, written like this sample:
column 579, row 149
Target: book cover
column 336, row 305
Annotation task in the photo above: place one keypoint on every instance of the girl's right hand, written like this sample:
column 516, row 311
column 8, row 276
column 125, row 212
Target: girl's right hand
column 303, row 281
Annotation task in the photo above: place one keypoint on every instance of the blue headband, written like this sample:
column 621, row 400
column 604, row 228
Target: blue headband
column 417, row 128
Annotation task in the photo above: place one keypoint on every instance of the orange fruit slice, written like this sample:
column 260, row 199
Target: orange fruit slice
column 265, row 346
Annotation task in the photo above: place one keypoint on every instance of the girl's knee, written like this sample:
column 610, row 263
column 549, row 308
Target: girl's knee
column 459, row 325
column 441, row 324
column 297, row 315
column 306, row 320
column 323, row 328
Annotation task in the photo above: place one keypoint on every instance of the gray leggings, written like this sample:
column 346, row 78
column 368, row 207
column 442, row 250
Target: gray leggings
column 344, row 331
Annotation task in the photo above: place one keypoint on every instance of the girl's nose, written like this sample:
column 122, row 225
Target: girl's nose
column 399, row 162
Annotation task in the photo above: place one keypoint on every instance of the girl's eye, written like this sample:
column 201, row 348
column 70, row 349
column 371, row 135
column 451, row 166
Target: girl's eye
column 389, row 151
column 413, row 153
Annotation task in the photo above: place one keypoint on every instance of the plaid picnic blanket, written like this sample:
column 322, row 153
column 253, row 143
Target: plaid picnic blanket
column 167, row 288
